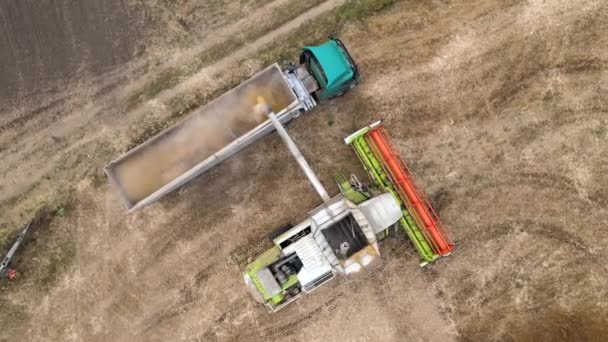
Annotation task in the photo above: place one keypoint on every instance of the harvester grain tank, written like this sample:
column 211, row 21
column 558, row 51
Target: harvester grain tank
column 226, row 125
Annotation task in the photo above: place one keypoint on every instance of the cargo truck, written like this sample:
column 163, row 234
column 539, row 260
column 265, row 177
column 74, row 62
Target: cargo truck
column 226, row 125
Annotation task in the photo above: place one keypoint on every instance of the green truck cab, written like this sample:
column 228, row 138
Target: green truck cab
column 332, row 66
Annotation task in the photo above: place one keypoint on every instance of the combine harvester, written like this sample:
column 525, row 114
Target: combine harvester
column 226, row 125
column 389, row 173
column 338, row 237
column 341, row 236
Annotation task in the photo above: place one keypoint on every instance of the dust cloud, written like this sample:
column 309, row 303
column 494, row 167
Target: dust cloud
column 191, row 141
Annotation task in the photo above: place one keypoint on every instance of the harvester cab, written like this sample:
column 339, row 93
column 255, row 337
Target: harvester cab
column 332, row 66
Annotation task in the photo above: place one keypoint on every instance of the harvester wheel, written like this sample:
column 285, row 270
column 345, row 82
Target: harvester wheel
column 279, row 230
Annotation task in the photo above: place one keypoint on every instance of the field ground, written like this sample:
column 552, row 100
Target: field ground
column 500, row 107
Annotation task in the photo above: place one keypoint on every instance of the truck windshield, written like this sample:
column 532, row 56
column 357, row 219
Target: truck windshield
column 317, row 71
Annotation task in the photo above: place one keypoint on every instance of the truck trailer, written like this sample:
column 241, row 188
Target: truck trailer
column 226, row 125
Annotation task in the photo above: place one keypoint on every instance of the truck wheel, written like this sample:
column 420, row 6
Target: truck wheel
column 351, row 86
column 288, row 123
column 279, row 230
